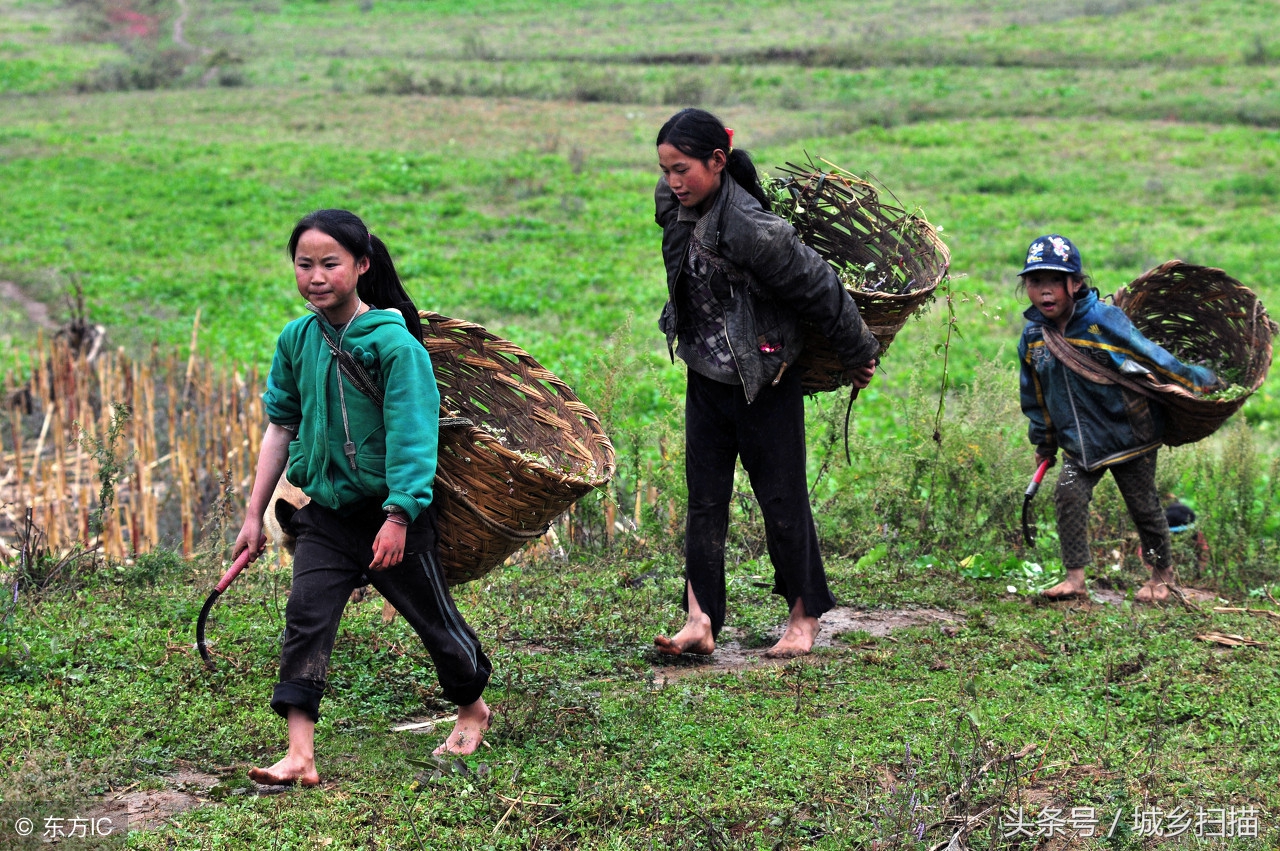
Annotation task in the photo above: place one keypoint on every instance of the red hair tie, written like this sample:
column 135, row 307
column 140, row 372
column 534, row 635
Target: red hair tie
column 729, row 130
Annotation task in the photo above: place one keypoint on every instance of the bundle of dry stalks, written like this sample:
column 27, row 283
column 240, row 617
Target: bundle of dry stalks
column 890, row 260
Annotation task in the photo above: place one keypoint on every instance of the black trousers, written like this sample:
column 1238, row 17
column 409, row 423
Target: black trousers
column 768, row 435
column 331, row 560
column 1136, row 481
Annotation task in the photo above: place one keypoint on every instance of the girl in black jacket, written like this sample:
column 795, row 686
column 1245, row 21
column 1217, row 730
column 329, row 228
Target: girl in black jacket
column 739, row 283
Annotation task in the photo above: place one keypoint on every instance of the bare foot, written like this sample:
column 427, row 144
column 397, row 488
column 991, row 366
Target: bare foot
column 468, row 732
column 299, row 764
column 799, row 636
column 1070, row 588
column 694, row 637
column 1157, row 589
column 287, row 772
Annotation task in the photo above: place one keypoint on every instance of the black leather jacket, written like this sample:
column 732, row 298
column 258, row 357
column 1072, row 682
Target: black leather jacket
column 789, row 282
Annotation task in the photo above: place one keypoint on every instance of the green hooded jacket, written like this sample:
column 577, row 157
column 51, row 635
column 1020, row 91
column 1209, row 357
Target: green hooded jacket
column 396, row 445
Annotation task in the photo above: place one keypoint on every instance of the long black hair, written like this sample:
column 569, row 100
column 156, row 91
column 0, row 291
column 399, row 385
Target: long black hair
column 699, row 134
column 380, row 284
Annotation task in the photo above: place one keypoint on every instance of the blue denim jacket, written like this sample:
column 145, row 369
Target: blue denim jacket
column 1097, row 424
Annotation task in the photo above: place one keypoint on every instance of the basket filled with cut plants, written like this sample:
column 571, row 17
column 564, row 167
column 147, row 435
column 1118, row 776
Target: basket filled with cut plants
column 1203, row 316
column 890, row 260
column 517, row 447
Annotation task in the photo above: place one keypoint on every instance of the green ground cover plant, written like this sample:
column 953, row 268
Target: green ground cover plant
column 504, row 151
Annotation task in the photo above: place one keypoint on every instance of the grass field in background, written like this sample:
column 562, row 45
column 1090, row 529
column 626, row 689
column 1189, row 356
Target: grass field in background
column 504, row 152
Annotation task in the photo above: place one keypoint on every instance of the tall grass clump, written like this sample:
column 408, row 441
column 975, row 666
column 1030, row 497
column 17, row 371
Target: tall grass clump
column 1233, row 485
column 948, row 497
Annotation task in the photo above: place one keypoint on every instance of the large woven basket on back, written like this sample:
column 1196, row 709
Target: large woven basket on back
column 1203, row 316
column 897, row 258
column 517, row 447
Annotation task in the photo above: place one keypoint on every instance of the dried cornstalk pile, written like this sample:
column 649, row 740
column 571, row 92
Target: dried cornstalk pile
column 187, row 427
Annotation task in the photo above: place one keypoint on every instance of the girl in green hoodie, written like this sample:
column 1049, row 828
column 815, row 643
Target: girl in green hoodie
column 354, row 420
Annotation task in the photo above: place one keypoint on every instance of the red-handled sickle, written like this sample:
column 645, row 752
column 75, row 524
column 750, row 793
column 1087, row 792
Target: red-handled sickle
column 227, row 579
column 1028, row 529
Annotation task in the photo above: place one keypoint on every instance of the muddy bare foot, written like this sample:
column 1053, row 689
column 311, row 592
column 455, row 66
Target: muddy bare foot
column 694, row 637
column 1157, row 590
column 287, row 772
column 468, row 732
column 799, row 636
column 1064, row 591
column 1071, row 588
column 794, row 642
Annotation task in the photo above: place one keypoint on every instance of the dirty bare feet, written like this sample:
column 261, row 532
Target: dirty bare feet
column 1071, row 588
column 468, row 732
column 299, row 765
column 695, row 637
column 799, row 636
column 1158, row 587
column 287, row 772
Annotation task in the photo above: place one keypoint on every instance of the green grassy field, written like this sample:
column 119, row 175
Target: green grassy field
column 504, row 152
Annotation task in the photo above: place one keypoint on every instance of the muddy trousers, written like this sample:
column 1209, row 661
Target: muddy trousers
column 1136, row 481
column 768, row 435
column 331, row 560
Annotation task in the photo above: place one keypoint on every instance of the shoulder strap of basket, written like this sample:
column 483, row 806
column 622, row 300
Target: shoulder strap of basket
column 1074, row 360
column 351, row 368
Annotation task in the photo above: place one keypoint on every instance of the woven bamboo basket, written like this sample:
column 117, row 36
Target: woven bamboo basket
column 1204, row 316
column 899, row 257
column 517, row 447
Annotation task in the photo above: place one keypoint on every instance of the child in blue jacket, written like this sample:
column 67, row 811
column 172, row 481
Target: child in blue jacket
column 1098, row 426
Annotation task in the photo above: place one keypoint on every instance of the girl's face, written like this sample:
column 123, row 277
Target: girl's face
column 327, row 275
column 694, row 182
column 1050, row 292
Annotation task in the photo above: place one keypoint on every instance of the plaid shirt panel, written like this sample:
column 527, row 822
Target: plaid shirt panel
column 704, row 329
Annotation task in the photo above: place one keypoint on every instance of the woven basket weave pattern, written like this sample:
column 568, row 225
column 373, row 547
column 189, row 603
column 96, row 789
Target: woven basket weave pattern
column 843, row 219
column 532, row 448
column 1201, row 315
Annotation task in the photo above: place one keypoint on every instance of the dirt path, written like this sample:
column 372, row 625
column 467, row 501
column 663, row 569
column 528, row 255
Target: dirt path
column 180, row 26
column 36, row 312
column 1112, row 597
column 731, row 655
column 132, row 809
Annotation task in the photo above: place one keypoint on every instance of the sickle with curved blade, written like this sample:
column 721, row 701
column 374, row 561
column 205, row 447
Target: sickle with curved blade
column 227, row 578
column 1028, row 528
